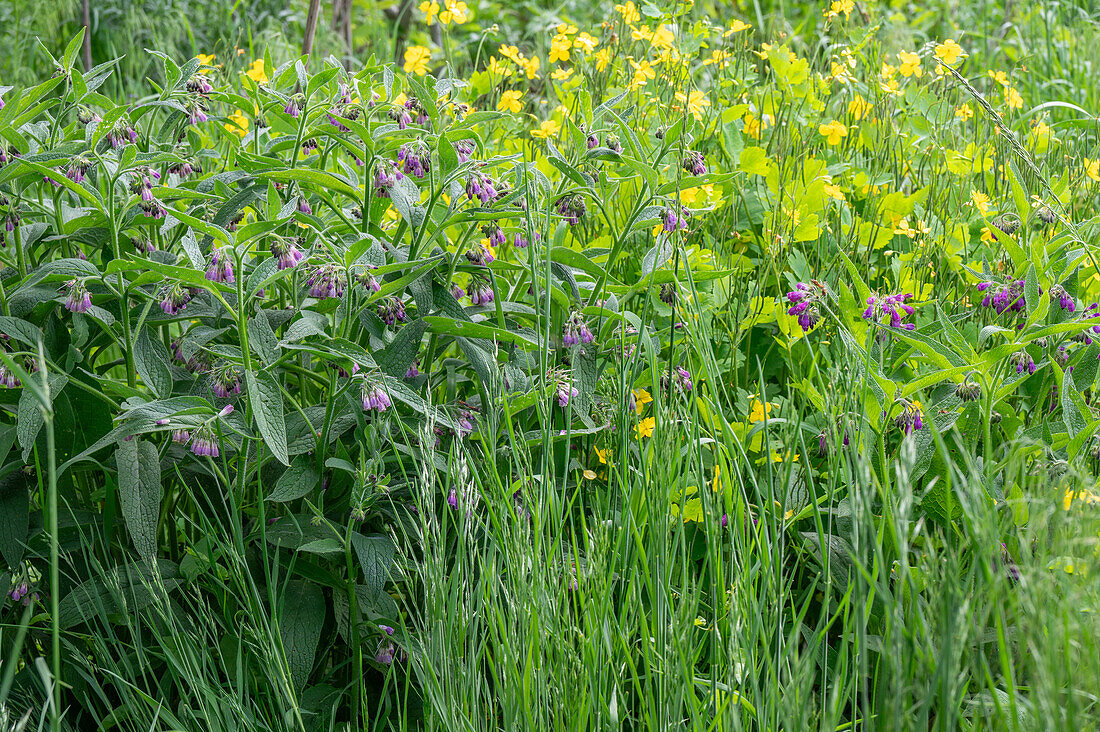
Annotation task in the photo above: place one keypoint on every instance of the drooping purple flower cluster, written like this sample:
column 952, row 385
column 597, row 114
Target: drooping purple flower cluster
column 482, row 187
column 185, row 168
column 386, row 175
column 479, row 255
column 293, row 107
column 1063, row 298
column 304, row 207
column 413, row 371
column 592, row 141
column 221, row 267
column 466, row 422
column 804, row 299
column 1023, row 361
column 205, row 443
column 910, row 418
column 8, row 379
column 196, row 114
column 572, row 208
column 416, row 159
column 77, row 169
column 693, row 163
column 673, row 220
column 22, row 592
column 286, row 253
column 392, row 311
column 181, row 436
column 175, row 299
column 1091, row 312
column 78, row 300
column 121, row 133
column 668, row 294
column 1003, row 298
column 890, row 310
column 464, row 149
column 326, row 281
column 576, row 331
column 199, row 85
column 225, row 381
column 375, row 398
column 480, row 291
column 368, row 281
column 520, row 240
column 494, row 234
column 565, row 391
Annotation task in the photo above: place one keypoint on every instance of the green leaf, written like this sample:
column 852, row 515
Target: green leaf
column 140, row 492
column 123, row 590
column 376, row 553
column 15, row 515
column 297, row 480
column 152, row 361
column 266, row 399
column 396, row 358
column 303, row 615
column 30, row 418
column 262, row 339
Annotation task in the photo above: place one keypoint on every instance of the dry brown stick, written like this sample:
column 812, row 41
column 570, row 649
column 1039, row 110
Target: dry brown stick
column 311, row 26
column 87, row 35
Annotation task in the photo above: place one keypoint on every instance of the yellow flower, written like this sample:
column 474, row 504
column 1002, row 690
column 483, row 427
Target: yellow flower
column 456, row 12
column 1000, row 77
column 603, row 455
column 696, row 102
column 509, row 102
column 736, row 27
column 256, row 72
column 910, row 64
column 759, row 411
column 1092, row 169
column 949, row 52
column 1082, row 496
column 589, row 474
column 511, row 52
column 603, row 58
column 644, row 428
column 416, row 60
column 833, row 132
column 859, row 107
column 530, row 66
column 560, row 48
column 718, row 56
column 240, row 123
column 840, row 6
column 430, row 10
column 643, row 72
column 641, row 398
column 562, row 74
column 980, row 201
column 904, row 229
column 834, row 192
column 548, row 128
column 206, row 60
column 586, row 43
column 987, row 235
column 641, row 34
column 1013, row 98
column 629, row 12
column 964, row 112
column 498, row 70
column 565, row 29
column 663, row 37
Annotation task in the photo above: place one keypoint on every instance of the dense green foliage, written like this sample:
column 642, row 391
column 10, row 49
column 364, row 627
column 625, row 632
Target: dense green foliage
column 598, row 367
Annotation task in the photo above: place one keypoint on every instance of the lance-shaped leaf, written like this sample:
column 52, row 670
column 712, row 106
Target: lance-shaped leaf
column 140, row 492
column 266, row 399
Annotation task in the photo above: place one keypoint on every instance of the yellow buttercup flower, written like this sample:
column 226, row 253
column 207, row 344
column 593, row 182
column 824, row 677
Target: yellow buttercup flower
column 759, row 411
column 256, row 72
column 840, row 6
column 566, row 30
column 509, row 102
column 641, row 34
column 988, row 236
column 239, row 124
column 562, row 74
column 560, row 48
column 456, row 12
column 663, row 38
column 904, row 229
column 910, row 64
column 1013, row 98
column 498, row 70
column 629, row 12
column 949, row 52
column 641, row 398
column 530, row 66
column 696, row 102
column 643, row 72
column 964, row 112
column 587, row 43
column 644, row 428
column 548, row 128
column 736, row 27
column 416, row 60
column 1083, row 496
column 603, row 58
column 980, row 201
column 603, row 456
column 510, row 52
column 1092, row 169
column 206, row 60
column 859, row 107
column 833, row 132
column 430, row 10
